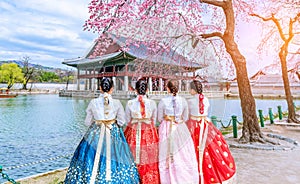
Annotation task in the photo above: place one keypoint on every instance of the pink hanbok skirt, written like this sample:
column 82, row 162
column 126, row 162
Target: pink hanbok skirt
column 177, row 158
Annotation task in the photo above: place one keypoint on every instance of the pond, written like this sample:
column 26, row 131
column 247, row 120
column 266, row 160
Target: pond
column 39, row 132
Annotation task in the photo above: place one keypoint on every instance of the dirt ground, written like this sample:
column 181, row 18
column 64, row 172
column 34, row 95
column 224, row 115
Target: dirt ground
column 254, row 166
column 270, row 166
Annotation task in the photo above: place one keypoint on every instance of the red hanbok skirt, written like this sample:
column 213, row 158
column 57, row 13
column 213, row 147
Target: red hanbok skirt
column 215, row 162
column 146, row 155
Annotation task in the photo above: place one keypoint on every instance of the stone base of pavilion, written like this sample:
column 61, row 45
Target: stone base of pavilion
column 263, row 96
column 130, row 94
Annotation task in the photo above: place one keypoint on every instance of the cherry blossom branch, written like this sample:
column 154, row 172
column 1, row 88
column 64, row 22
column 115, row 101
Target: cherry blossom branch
column 213, row 34
column 114, row 16
column 275, row 20
column 214, row 2
column 185, row 22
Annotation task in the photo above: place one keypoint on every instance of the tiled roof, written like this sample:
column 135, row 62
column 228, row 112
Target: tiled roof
column 140, row 51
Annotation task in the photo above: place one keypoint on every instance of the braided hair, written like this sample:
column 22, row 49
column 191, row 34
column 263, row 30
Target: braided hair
column 197, row 86
column 173, row 85
column 106, row 84
column 141, row 86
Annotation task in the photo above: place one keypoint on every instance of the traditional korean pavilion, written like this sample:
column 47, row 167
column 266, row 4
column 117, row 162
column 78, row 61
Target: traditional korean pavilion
column 125, row 66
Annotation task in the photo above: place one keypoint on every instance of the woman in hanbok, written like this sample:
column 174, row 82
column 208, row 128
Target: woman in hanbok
column 215, row 162
column 177, row 158
column 141, row 134
column 103, row 155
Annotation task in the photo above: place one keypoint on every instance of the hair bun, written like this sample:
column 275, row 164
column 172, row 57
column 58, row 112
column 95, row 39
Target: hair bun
column 106, row 84
column 173, row 86
column 197, row 86
column 141, row 87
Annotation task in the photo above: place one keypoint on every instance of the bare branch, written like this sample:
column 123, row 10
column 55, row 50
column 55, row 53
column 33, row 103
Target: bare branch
column 185, row 22
column 296, row 18
column 213, row 34
column 272, row 18
column 263, row 18
column 115, row 15
column 213, row 2
column 177, row 36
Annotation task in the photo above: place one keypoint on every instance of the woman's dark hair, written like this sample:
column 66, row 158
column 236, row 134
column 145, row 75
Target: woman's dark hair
column 106, row 84
column 197, row 86
column 141, row 86
column 173, row 86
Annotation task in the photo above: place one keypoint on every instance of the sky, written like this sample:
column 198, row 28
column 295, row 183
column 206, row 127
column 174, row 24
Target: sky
column 46, row 31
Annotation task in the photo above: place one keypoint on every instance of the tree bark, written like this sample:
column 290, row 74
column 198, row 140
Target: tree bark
column 282, row 55
column 251, row 130
column 25, row 84
column 289, row 98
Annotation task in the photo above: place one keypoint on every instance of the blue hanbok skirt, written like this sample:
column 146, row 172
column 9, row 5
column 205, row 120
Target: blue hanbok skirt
column 113, row 163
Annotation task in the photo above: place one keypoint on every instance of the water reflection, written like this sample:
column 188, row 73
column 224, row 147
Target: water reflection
column 39, row 127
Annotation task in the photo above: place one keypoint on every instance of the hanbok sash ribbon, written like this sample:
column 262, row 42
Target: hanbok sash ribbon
column 170, row 144
column 197, row 118
column 106, row 125
column 201, row 146
column 138, row 136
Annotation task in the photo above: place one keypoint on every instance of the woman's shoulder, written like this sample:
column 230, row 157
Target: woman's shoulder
column 130, row 102
column 94, row 100
column 165, row 98
column 183, row 99
column 150, row 101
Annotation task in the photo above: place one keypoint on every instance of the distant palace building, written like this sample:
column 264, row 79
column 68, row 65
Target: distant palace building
column 268, row 81
column 126, row 66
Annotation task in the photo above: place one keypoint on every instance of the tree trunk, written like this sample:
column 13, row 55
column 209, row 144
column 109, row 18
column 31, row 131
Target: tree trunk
column 289, row 99
column 25, row 85
column 67, row 83
column 251, row 130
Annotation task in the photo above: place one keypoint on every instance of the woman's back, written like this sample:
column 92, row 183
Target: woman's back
column 134, row 108
column 194, row 105
column 172, row 106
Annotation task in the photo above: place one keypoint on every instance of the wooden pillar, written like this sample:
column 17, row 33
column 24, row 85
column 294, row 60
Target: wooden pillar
column 187, row 87
column 179, row 86
column 126, row 83
column 115, row 83
column 78, row 79
column 90, row 80
column 161, row 87
column 150, row 84
column 98, row 84
column 85, row 81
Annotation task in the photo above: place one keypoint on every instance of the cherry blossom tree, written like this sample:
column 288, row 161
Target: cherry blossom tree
column 188, row 26
column 281, row 22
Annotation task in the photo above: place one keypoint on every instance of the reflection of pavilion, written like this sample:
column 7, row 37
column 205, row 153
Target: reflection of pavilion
column 126, row 66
